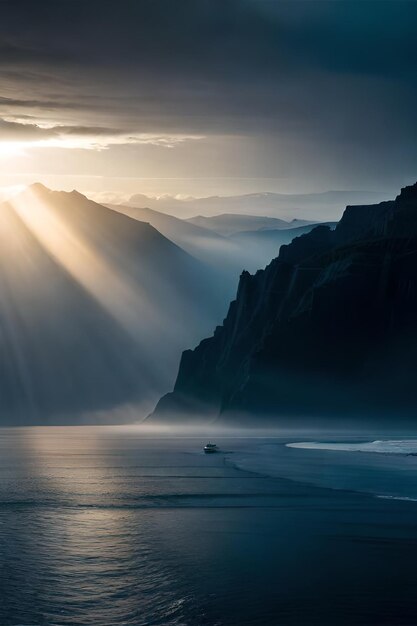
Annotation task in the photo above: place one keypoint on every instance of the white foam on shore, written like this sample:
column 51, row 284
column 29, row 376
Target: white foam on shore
column 388, row 474
column 404, row 447
column 405, row 498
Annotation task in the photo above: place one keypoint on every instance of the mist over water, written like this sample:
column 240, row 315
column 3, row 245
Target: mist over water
column 127, row 525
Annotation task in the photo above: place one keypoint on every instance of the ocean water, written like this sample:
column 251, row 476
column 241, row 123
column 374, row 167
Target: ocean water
column 103, row 526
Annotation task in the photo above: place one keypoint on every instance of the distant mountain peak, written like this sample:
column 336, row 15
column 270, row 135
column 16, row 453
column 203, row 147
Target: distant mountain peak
column 41, row 189
column 408, row 193
column 38, row 188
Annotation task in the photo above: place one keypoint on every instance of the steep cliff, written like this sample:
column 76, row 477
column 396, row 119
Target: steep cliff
column 329, row 327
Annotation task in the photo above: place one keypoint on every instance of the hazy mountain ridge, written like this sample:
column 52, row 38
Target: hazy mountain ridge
column 328, row 328
column 228, row 224
column 322, row 206
column 224, row 257
column 262, row 245
column 219, row 242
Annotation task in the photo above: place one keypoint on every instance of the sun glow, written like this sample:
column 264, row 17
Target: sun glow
column 93, row 142
column 10, row 149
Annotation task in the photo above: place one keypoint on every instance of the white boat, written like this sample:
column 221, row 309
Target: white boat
column 210, row 448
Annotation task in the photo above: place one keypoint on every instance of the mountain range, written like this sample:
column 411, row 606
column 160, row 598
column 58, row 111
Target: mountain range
column 222, row 255
column 226, row 243
column 228, row 224
column 323, row 206
column 328, row 328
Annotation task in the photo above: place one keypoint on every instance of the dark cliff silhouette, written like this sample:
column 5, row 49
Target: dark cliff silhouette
column 329, row 327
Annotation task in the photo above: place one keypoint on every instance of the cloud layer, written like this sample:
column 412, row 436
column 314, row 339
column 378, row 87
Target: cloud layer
column 321, row 90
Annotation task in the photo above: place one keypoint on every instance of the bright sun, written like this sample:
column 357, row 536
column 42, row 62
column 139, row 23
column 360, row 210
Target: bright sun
column 10, row 148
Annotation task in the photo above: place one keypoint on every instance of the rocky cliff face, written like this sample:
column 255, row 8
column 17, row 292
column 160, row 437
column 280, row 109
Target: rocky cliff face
column 328, row 328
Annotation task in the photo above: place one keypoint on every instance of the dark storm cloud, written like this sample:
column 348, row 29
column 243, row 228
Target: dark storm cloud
column 336, row 73
column 216, row 37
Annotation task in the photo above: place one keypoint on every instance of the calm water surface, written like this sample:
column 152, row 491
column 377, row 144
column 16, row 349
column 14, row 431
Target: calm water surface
column 103, row 526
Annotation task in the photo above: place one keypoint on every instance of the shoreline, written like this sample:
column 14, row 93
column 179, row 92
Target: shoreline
column 381, row 475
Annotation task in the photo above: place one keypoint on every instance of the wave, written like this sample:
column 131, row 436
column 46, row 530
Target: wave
column 404, row 447
column 405, row 498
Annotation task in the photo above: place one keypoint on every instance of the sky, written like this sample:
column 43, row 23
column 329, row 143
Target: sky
column 207, row 97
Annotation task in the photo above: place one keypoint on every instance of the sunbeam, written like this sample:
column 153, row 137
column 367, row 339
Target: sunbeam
column 119, row 297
